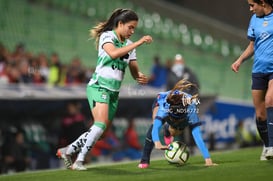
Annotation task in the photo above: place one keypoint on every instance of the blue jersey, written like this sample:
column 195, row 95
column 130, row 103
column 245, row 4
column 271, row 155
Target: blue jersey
column 190, row 119
column 163, row 108
column 260, row 31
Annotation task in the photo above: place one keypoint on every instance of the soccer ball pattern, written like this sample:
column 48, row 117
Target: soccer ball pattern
column 177, row 153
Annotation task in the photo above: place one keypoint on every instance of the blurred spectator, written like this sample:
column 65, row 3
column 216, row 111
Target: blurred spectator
column 64, row 68
column 75, row 74
column 132, row 144
column 35, row 71
column 25, row 75
column 73, row 124
column 169, row 64
column 36, row 136
column 131, row 147
column 20, row 66
column 13, row 73
column 158, row 75
column 3, row 54
column 55, row 70
column 3, row 58
column 43, row 66
column 15, row 152
column 37, row 78
column 18, row 54
column 3, row 65
column 179, row 71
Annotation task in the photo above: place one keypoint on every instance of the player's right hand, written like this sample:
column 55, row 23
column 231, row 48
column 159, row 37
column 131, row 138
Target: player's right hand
column 159, row 146
column 142, row 79
column 235, row 66
column 146, row 39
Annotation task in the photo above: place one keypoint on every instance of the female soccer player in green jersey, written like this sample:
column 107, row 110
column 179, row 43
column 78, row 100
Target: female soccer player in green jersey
column 115, row 53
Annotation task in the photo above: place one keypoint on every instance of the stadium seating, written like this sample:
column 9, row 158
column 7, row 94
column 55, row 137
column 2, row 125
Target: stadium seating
column 62, row 26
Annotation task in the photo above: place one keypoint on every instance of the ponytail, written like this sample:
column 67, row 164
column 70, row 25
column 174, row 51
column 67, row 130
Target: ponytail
column 177, row 93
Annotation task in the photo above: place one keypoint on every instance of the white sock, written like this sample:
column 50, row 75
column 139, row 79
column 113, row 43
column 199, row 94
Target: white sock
column 77, row 144
column 91, row 138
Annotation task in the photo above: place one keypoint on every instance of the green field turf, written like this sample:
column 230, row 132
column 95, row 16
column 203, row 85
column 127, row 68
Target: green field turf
column 239, row 165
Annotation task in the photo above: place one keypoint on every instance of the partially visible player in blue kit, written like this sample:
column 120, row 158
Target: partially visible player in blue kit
column 173, row 111
column 260, row 35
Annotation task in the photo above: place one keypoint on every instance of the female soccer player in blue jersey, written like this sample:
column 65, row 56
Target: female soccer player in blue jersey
column 175, row 109
column 260, row 34
column 115, row 53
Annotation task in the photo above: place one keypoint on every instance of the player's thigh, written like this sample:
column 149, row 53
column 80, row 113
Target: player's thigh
column 100, row 112
column 113, row 105
column 259, row 87
column 269, row 94
column 98, row 99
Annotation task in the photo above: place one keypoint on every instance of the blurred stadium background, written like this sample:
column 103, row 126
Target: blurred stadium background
column 209, row 34
column 62, row 26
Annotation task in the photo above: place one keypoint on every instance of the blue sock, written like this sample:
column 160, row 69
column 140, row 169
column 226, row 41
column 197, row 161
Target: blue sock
column 148, row 147
column 263, row 131
column 269, row 112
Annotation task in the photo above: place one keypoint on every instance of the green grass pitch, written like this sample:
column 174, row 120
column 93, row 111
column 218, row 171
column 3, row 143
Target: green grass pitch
column 238, row 165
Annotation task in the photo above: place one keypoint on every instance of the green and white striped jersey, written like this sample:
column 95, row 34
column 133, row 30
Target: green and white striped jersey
column 110, row 72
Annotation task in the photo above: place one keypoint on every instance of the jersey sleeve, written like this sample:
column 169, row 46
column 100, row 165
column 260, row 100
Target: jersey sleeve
column 196, row 133
column 251, row 30
column 158, row 121
column 105, row 37
column 156, row 129
column 193, row 114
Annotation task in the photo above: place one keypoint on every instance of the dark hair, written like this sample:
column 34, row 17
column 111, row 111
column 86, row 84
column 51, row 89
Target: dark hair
column 118, row 15
column 270, row 2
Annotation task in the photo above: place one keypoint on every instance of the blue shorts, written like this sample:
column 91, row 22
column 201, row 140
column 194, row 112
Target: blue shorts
column 260, row 80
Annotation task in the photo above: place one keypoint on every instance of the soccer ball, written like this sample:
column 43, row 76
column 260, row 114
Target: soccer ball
column 177, row 153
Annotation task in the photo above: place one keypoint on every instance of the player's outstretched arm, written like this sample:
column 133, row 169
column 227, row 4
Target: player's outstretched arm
column 196, row 132
column 157, row 124
column 244, row 56
column 115, row 52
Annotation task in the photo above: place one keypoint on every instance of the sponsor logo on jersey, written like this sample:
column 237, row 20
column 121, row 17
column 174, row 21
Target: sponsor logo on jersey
column 104, row 96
